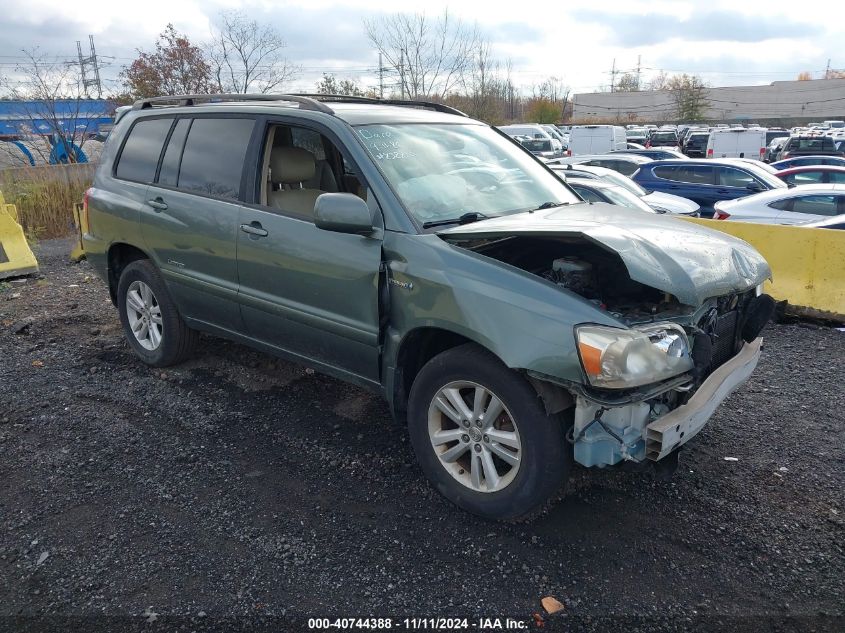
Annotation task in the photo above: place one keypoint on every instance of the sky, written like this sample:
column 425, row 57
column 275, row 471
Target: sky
column 726, row 42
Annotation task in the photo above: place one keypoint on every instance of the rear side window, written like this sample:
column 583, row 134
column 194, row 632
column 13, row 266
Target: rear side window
column 169, row 172
column 805, row 178
column 693, row 174
column 816, row 205
column 837, row 177
column 139, row 158
column 213, row 159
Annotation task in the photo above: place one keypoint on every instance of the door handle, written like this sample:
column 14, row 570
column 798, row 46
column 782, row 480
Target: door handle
column 157, row 203
column 254, row 228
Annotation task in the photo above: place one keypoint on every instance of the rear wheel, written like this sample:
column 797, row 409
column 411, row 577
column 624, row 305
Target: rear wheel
column 482, row 436
column 151, row 322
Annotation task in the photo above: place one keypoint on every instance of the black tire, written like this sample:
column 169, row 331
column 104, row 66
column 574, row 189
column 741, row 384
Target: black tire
column 546, row 457
column 178, row 340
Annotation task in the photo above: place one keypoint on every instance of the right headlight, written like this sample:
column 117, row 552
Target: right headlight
column 614, row 358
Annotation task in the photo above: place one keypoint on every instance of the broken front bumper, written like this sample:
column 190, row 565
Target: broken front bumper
column 604, row 436
column 674, row 429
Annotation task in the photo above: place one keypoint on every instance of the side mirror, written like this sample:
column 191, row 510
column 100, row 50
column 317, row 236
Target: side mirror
column 343, row 213
column 755, row 187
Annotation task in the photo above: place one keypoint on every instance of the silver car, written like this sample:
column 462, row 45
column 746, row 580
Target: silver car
column 657, row 200
column 797, row 205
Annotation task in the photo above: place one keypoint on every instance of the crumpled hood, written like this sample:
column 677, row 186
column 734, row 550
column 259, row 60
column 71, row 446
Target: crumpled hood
column 682, row 258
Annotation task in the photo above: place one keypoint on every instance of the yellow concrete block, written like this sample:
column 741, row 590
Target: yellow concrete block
column 808, row 265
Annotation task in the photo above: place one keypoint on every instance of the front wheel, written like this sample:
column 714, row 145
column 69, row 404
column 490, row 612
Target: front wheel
column 482, row 436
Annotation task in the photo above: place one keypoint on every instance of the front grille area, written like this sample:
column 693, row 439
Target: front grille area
column 724, row 338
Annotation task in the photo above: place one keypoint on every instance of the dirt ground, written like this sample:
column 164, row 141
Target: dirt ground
column 238, row 491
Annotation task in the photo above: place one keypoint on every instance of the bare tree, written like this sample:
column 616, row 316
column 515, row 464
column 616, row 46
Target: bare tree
column 50, row 96
column 247, row 56
column 658, row 82
column 482, row 84
column 431, row 56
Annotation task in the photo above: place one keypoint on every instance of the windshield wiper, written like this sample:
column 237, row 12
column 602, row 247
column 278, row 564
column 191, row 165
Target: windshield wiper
column 550, row 205
column 466, row 218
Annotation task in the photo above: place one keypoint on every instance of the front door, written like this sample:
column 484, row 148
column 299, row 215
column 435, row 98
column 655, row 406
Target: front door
column 311, row 293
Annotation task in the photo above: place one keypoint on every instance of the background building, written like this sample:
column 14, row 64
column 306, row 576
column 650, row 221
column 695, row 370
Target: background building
column 782, row 102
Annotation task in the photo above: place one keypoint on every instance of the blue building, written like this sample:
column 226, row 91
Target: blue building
column 74, row 118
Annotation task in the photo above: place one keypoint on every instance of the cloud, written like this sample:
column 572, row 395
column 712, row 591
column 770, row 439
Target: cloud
column 631, row 30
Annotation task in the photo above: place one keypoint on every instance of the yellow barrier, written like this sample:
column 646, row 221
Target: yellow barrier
column 808, row 265
column 16, row 258
column 77, row 253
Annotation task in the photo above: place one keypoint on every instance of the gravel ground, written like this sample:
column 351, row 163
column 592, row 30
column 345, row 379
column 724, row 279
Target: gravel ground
column 238, row 490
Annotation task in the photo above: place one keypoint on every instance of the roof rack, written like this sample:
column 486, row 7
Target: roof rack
column 413, row 103
column 304, row 102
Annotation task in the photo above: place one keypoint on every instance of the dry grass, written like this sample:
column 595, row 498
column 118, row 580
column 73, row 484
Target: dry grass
column 45, row 196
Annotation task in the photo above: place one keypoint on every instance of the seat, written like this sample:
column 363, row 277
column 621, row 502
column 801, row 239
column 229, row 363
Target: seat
column 290, row 167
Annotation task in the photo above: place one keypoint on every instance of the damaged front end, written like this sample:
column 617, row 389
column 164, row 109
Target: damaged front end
column 651, row 383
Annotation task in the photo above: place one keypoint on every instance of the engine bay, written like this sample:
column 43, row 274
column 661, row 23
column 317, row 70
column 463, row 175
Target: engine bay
column 588, row 270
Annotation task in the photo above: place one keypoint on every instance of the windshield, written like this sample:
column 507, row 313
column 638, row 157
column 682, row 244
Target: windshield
column 443, row 171
column 769, row 178
column 623, row 181
column 536, row 144
column 625, row 198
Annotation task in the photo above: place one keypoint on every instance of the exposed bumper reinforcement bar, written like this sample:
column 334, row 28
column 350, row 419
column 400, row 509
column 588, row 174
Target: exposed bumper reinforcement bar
column 674, row 429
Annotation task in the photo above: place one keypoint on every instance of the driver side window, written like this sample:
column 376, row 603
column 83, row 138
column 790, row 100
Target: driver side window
column 300, row 164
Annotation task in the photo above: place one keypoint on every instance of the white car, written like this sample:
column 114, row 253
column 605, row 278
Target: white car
column 835, row 222
column 657, row 200
column 599, row 191
column 625, row 164
column 797, row 205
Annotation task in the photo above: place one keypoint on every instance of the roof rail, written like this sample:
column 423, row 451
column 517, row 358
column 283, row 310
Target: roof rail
column 430, row 105
column 304, row 102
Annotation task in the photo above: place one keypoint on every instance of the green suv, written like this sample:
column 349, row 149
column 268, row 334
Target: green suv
column 411, row 250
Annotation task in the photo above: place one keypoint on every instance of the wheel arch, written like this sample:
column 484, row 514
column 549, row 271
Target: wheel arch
column 118, row 257
column 420, row 345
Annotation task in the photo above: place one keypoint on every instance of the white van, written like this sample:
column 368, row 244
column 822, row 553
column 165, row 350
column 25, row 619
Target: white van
column 835, row 124
column 737, row 143
column 597, row 139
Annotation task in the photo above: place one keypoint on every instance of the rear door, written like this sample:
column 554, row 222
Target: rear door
column 190, row 220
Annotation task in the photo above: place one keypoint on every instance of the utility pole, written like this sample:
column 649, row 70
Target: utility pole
column 613, row 75
column 638, row 72
column 402, row 73
column 380, row 78
column 85, row 63
column 827, row 70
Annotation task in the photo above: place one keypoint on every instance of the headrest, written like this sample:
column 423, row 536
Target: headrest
column 291, row 165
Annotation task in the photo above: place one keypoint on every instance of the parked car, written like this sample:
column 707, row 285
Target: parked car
column 543, row 147
column 808, row 146
column 599, row 191
column 706, row 181
column 554, row 149
column 774, row 147
column 635, row 146
column 596, row 139
column 657, row 200
column 654, row 154
column 695, row 145
column 737, row 143
column 625, row 164
column 785, row 206
column 418, row 253
column 636, row 135
column 803, row 161
column 812, row 174
column 662, row 138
